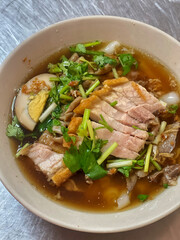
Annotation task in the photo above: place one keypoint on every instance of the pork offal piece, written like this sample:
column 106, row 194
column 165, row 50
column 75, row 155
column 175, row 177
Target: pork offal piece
column 48, row 162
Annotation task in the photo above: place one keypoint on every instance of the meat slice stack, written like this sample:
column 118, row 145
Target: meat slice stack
column 135, row 107
column 47, row 161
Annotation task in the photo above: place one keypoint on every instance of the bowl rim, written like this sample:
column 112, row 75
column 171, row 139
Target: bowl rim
column 34, row 209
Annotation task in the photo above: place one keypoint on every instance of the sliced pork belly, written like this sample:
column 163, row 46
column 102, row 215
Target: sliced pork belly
column 95, row 102
column 95, row 115
column 124, row 104
column 124, row 140
column 138, row 95
column 47, row 161
column 121, row 151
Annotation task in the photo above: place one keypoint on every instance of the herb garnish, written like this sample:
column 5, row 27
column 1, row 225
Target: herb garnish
column 127, row 61
column 15, row 130
column 105, row 124
column 173, row 108
column 85, row 159
column 101, row 61
column 142, row 197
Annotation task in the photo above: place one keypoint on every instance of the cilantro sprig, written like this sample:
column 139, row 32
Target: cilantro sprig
column 127, row 61
column 101, row 61
column 85, row 159
column 14, row 130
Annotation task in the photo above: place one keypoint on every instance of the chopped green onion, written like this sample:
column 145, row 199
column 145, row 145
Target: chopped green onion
column 115, row 73
column 97, row 82
column 92, row 44
column 107, row 153
column 19, row 152
column 156, row 164
column 165, row 185
column 81, row 89
column 66, row 97
column 142, row 197
column 82, row 130
column 120, row 164
column 120, row 160
column 54, row 79
column 47, row 112
column 113, row 103
column 91, row 133
column 161, row 130
column 147, row 160
column 84, row 78
column 66, row 87
column 105, row 124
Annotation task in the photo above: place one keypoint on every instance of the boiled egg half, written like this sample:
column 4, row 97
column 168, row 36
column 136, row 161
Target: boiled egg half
column 31, row 100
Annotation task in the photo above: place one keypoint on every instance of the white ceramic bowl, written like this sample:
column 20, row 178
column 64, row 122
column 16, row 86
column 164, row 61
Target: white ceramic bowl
column 38, row 47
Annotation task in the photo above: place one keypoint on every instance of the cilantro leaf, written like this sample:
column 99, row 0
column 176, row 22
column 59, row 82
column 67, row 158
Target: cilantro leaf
column 54, row 68
column 71, row 159
column 142, row 197
column 84, row 159
column 66, row 136
column 89, row 164
column 173, row 108
column 81, row 49
column 15, row 130
column 125, row 170
column 101, row 61
column 127, row 61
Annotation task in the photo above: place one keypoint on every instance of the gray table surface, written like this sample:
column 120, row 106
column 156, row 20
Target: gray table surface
column 19, row 19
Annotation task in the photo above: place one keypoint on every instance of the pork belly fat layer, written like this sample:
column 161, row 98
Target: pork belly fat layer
column 49, row 162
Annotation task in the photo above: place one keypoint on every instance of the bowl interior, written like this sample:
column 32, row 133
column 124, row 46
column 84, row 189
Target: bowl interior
column 39, row 47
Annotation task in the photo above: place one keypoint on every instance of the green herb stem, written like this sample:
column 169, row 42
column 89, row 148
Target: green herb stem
column 105, row 124
column 156, row 165
column 120, row 164
column 65, row 88
column 113, row 104
column 84, row 78
column 161, row 130
column 141, row 154
column 19, row 152
column 66, row 97
column 54, row 79
column 147, row 160
column 47, row 112
column 91, row 133
column 107, row 153
column 82, row 130
column 97, row 82
column 92, row 44
column 115, row 73
column 81, row 89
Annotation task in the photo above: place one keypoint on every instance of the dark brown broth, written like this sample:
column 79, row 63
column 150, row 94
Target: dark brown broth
column 102, row 194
